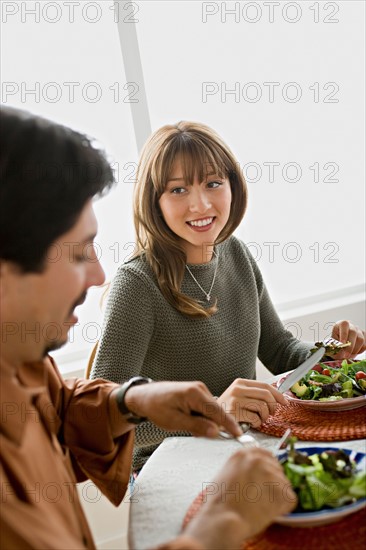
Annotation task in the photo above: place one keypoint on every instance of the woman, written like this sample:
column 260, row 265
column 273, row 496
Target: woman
column 192, row 304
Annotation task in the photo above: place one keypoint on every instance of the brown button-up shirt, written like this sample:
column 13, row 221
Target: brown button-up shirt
column 53, row 434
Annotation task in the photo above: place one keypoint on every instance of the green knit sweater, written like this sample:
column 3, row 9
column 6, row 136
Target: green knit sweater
column 144, row 335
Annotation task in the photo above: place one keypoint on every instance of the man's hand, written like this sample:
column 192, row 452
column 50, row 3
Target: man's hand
column 186, row 406
column 247, row 495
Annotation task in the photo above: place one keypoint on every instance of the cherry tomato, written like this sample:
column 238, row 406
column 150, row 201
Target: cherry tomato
column 326, row 372
column 359, row 375
column 318, row 368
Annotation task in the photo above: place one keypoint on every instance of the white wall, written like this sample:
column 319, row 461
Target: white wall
column 109, row 524
column 295, row 118
column 221, row 68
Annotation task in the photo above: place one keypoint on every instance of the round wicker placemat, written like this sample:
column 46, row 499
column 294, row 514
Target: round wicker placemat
column 348, row 533
column 312, row 425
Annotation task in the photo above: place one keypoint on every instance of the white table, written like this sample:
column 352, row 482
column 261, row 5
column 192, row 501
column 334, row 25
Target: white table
column 174, row 475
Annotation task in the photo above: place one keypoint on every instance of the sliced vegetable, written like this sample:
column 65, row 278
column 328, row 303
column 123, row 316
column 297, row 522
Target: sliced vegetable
column 318, row 368
column 327, row 383
column 299, row 389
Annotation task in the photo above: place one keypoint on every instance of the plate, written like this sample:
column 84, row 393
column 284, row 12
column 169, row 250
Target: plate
column 339, row 405
column 329, row 515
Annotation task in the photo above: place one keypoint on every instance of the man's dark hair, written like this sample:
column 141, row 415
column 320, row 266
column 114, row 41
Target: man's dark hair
column 48, row 173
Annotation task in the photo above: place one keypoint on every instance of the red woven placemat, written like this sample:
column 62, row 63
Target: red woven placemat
column 313, row 425
column 346, row 534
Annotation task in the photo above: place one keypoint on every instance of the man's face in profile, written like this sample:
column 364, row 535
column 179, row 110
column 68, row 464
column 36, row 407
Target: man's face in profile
column 41, row 305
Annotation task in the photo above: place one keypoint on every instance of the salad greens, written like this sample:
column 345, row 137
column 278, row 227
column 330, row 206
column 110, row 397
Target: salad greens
column 327, row 383
column 326, row 480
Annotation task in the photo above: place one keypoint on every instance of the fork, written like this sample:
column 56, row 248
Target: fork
column 330, row 345
column 282, row 444
column 249, row 441
column 245, row 439
column 245, row 426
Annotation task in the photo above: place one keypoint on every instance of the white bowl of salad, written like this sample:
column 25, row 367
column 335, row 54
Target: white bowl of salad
column 331, row 386
column 330, row 483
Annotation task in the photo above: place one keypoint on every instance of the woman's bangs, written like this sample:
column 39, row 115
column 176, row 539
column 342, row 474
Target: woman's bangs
column 162, row 168
column 197, row 159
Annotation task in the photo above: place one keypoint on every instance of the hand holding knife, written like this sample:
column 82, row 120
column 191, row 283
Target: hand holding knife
column 329, row 345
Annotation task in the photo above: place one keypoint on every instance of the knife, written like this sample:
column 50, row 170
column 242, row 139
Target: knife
column 295, row 376
column 301, row 370
column 329, row 345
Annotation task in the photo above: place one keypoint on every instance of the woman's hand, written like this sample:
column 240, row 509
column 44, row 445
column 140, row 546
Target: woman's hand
column 344, row 331
column 250, row 401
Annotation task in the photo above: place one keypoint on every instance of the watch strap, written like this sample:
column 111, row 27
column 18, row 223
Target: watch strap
column 120, row 398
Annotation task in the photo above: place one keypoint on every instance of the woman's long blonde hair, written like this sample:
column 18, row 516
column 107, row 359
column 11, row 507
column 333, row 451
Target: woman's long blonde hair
column 198, row 148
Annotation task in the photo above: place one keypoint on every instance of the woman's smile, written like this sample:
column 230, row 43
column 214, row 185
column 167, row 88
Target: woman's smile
column 202, row 224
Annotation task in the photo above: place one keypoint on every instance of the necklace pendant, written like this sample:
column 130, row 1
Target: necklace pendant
column 208, row 296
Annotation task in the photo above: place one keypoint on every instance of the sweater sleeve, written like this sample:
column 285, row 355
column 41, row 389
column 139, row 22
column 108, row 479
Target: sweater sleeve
column 278, row 349
column 127, row 332
column 127, row 329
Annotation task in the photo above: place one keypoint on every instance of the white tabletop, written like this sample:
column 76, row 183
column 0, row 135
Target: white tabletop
column 174, row 475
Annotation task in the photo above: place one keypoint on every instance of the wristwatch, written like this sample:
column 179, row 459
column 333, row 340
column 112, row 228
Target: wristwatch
column 120, row 398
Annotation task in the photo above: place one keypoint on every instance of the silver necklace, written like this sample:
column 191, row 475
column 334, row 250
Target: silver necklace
column 207, row 294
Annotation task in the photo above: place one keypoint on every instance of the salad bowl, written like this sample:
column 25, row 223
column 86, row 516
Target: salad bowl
column 344, row 404
column 326, row 515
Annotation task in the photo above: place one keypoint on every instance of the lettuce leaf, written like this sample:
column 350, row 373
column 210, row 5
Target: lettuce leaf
column 329, row 480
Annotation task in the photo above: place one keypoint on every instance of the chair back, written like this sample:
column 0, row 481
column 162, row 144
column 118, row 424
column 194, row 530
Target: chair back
column 91, row 360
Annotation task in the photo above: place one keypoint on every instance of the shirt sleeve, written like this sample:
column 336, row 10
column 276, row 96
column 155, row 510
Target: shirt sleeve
column 83, row 409
column 288, row 352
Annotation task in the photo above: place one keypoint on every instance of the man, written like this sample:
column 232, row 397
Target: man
column 56, row 432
